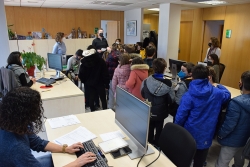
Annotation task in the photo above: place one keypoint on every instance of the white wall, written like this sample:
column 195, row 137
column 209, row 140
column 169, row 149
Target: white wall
column 169, row 30
column 4, row 39
column 134, row 14
column 104, row 27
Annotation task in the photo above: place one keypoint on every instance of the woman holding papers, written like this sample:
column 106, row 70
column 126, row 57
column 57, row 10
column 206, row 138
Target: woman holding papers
column 21, row 115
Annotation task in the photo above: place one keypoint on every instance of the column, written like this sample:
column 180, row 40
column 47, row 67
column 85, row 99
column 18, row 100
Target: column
column 169, row 30
column 4, row 39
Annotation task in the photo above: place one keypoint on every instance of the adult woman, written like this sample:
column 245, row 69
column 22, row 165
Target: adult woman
column 59, row 47
column 15, row 64
column 214, row 62
column 213, row 48
column 21, row 115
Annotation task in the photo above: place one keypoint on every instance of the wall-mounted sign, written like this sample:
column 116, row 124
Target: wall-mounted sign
column 95, row 30
column 228, row 33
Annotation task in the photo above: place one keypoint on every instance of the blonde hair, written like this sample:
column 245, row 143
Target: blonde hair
column 212, row 73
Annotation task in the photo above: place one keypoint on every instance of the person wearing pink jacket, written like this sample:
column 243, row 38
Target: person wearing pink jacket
column 121, row 73
column 139, row 72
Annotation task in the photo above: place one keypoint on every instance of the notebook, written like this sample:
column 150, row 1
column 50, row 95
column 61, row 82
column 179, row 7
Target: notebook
column 112, row 145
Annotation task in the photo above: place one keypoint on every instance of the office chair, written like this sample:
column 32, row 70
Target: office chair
column 7, row 81
column 177, row 144
column 222, row 68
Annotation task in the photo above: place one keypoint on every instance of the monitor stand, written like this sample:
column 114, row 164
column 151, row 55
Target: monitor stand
column 57, row 76
column 136, row 153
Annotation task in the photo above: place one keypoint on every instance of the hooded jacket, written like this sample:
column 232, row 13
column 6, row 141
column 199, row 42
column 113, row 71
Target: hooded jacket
column 138, row 73
column 112, row 63
column 199, row 110
column 183, row 86
column 94, row 72
column 235, row 130
column 160, row 94
column 120, row 77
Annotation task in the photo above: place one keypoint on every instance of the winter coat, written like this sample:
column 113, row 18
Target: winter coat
column 235, row 130
column 138, row 73
column 112, row 63
column 160, row 94
column 182, row 88
column 199, row 110
column 120, row 77
column 94, row 72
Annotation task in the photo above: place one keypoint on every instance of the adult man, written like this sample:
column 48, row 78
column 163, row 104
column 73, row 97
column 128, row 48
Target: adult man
column 199, row 110
column 100, row 43
column 235, row 130
column 73, row 65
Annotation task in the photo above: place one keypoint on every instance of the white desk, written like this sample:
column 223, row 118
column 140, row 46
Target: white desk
column 101, row 122
column 234, row 92
column 64, row 98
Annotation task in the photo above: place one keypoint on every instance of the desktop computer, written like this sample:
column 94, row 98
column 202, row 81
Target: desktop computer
column 133, row 115
column 55, row 62
column 178, row 64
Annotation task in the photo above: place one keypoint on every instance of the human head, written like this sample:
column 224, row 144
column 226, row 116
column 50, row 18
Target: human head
column 79, row 54
column 21, row 111
column 61, row 34
column 150, row 51
column 214, row 59
column 151, row 44
column 90, row 47
column 200, row 72
column 214, row 42
column 129, row 48
column 124, row 59
column 137, row 60
column 120, row 48
column 186, row 68
column 58, row 38
column 212, row 75
column 159, row 65
column 114, row 46
column 244, row 83
column 139, row 45
column 15, row 58
column 118, row 41
column 100, row 33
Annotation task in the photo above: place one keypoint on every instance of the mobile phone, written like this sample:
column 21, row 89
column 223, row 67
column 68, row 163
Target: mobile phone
column 121, row 152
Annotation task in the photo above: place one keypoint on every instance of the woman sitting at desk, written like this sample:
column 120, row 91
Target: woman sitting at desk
column 21, row 115
column 213, row 61
column 59, row 47
column 15, row 64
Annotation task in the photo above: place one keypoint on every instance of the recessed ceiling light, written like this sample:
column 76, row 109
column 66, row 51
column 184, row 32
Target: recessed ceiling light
column 154, row 9
column 213, row 2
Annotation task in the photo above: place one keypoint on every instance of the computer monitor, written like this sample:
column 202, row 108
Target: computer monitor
column 177, row 62
column 55, row 62
column 133, row 115
column 205, row 64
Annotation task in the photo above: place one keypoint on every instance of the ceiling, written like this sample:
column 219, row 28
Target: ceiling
column 118, row 5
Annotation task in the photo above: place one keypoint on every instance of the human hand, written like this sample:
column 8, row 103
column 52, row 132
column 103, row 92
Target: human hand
column 109, row 49
column 85, row 158
column 76, row 78
column 74, row 148
column 99, row 51
column 33, row 79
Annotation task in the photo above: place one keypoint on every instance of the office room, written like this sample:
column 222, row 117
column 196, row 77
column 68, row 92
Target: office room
column 124, row 83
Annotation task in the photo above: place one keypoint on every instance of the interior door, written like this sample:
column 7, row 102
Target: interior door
column 113, row 31
column 185, row 40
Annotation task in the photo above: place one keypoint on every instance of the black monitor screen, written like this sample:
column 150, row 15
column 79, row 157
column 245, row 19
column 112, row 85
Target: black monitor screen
column 55, row 61
column 177, row 62
column 133, row 114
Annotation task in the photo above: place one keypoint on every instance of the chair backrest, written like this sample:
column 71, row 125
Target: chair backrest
column 222, row 68
column 8, row 80
column 177, row 144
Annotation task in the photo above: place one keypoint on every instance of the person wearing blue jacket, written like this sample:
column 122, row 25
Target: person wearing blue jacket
column 235, row 130
column 199, row 110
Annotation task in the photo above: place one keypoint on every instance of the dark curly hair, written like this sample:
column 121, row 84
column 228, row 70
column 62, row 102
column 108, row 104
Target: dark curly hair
column 21, row 111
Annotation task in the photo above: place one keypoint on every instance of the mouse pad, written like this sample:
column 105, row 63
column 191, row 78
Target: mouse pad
column 46, row 87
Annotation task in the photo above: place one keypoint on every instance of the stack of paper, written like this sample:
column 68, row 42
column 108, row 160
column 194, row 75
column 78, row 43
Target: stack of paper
column 63, row 121
column 111, row 135
column 81, row 134
column 113, row 144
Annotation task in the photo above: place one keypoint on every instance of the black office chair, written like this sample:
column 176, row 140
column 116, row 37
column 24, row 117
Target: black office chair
column 222, row 68
column 177, row 144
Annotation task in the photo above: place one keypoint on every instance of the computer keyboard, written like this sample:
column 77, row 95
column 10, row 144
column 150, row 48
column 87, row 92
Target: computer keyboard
column 89, row 146
column 46, row 81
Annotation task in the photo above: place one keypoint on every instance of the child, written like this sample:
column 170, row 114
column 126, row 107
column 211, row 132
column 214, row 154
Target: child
column 158, row 91
column 182, row 86
column 199, row 110
column 141, row 49
column 121, row 73
column 150, row 53
column 139, row 72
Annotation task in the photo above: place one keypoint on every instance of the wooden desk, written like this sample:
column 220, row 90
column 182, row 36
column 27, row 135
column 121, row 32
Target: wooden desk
column 64, row 98
column 101, row 122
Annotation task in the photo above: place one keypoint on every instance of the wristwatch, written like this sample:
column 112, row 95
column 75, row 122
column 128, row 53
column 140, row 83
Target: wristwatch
column 64, row 147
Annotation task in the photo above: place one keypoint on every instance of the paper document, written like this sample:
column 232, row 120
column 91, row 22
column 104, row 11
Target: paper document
column 81, row 134
column 112, row 145
column 111, row 135
column 63, row 121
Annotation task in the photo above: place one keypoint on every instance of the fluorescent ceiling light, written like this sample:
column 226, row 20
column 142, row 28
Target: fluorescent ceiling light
column 154, row 9
column 213, row 2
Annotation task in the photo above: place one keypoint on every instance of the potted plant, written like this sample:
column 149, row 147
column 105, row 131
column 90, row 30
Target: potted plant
column 30, row 59
column 10, row 32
